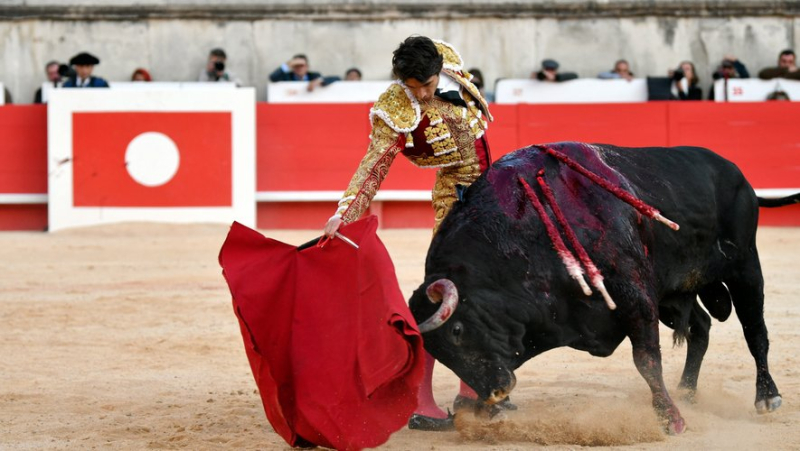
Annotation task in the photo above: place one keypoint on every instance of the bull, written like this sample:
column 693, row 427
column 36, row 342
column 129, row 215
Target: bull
column 501, row 288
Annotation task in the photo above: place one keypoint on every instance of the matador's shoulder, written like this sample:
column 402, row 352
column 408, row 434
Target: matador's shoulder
column 452, row 59
column 398, row 108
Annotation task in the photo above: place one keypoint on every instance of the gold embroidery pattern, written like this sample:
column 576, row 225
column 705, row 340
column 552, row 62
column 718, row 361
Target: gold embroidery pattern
column 399, row 111
column 437, row 134
column 451, row 57
column 366, row 181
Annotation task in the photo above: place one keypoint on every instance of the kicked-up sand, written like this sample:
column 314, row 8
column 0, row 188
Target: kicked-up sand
column 123, row 337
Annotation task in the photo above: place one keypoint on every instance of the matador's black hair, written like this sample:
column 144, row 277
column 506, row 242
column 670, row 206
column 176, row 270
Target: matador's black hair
column 416, row 57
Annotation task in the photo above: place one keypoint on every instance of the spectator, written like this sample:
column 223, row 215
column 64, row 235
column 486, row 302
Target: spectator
column 84, row 65
column 730, row 67
column 296, row 69
column 215, row 68
column 621, row 70
column 352, row 74
column 685, row 83
column 778, row 95
column 478, row 81
column 7, row 96
column 141, row 75
column 53, row 76
column 550, row 72
column 787, row 67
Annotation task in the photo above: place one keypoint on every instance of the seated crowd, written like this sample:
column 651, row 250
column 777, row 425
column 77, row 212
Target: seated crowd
column 684, row 82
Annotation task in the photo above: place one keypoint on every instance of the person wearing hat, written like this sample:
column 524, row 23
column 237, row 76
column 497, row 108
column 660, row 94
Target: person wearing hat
column 84, row 65
column 550, row 72
column 730, row 67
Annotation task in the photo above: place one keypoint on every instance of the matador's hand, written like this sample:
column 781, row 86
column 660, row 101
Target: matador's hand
column 332, row 226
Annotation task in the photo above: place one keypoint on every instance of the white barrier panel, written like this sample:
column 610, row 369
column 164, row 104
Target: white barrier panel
column 175, row 156
column 2, row 94
column 585, row 90
column 755, row 89
column 47, row 88
column 336, row 92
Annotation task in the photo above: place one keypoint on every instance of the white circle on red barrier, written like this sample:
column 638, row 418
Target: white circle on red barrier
column 152, row 159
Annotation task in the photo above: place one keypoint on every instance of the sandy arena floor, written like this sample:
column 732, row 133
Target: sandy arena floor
column 123, row 337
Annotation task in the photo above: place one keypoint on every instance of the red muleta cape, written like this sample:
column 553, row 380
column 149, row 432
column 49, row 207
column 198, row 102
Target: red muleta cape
column 333, row 347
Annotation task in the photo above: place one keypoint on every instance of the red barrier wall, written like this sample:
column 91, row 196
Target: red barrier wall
column 317, row 148
column 23, row 164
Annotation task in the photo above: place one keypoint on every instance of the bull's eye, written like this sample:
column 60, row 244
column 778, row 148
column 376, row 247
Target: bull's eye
column 456, row 331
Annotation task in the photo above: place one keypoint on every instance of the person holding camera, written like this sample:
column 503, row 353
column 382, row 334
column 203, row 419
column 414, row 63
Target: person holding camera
column 685, row 83
column 730, row 67
column 215, row 68
column 81, row 77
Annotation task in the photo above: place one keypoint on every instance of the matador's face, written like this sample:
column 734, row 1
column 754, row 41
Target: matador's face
column 423, row 90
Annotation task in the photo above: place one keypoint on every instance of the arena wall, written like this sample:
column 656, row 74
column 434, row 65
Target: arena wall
column 300, row 175
column 506, row 39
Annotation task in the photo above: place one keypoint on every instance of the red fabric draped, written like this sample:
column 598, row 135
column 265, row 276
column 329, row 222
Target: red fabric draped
column 334, row 350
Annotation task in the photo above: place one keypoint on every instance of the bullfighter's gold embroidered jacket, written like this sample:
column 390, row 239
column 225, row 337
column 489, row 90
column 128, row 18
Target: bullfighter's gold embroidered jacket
column 436, row 134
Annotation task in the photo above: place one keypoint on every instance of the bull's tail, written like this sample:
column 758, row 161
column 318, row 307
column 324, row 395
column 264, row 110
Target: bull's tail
column 780, row 201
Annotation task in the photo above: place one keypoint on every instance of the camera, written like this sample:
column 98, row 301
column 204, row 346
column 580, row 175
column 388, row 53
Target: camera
column 677, row 75
column 66, row 71
column 219, row 66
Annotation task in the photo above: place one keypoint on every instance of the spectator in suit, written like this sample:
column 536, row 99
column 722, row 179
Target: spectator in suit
column 53, row 76
column 685, row 83
column 549, row 72
column 84, row 66
column 730, row 67
column 621, row 70
column 787, row 67
column 297, row 69
column 216, row 69
column 141, row 74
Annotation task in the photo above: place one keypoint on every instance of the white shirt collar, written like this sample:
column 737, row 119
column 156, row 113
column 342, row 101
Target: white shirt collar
column 447, row 83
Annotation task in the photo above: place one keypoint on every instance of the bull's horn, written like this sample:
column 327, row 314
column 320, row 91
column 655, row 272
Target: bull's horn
column 444, row 291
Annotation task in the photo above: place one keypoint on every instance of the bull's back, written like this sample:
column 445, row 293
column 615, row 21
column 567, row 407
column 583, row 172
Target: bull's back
column 706, row 195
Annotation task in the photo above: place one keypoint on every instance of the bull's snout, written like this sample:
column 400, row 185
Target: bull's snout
column 502, row 393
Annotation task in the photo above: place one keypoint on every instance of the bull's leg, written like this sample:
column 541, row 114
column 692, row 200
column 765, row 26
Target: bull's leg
column 647, row 357
column 697, row 340
column 747, row 293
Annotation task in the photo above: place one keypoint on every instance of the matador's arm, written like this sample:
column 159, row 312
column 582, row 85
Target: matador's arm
column 384, row 146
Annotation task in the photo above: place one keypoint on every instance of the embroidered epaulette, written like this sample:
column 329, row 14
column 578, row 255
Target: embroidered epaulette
column 398, row 108
column 452, row 59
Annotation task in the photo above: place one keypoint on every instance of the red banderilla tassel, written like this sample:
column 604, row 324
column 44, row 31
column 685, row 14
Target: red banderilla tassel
column 573, row 267
column 595, row 277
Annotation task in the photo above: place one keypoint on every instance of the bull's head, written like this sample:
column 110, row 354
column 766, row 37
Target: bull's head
column 457, row 335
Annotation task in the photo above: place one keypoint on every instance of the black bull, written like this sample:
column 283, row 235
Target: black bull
column 508, row 297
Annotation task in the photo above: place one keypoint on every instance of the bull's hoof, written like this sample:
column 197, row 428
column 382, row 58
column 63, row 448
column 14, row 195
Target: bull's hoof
column 676, row 427
column 423, row 423
column 768, row 405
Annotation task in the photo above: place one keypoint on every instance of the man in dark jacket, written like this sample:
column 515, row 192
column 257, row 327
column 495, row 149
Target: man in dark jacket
column 296, row 69
column 730, row 67
column 550, row 72
column 84, row 65
column 787, row 67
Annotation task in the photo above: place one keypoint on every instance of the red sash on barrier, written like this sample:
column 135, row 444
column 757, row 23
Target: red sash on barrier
column 334, row 350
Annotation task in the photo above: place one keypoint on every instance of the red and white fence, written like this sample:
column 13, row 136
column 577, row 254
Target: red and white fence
column 305, row 154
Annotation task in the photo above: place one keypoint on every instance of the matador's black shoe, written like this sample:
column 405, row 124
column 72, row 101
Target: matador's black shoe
column 423, row 423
